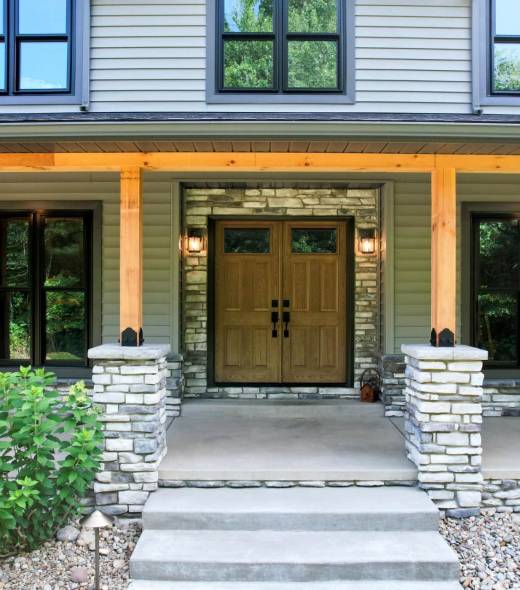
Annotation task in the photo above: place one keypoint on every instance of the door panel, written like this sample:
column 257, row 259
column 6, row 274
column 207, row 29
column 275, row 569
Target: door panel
column 247, row 280
column 261, row 263
column 314, row 280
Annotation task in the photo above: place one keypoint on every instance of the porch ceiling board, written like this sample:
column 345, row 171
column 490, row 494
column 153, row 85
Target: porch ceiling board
column 289, row 145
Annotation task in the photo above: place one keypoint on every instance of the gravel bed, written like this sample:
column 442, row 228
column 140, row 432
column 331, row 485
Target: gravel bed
column 488, row 547
column 68, row 564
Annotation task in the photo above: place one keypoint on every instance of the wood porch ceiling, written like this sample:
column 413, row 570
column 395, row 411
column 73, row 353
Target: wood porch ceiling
column 280, row 146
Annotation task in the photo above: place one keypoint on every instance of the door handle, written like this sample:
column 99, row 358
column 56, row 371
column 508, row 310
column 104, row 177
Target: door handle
column 286, row 318
column 274, row 320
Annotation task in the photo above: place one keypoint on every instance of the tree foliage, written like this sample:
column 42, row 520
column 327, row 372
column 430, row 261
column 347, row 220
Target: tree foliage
column 250, row 64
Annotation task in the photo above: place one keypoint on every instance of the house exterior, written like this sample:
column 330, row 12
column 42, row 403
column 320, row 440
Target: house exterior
column 263, row 199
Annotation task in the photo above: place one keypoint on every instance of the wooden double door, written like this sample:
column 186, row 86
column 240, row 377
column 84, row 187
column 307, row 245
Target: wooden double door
column 281, row 301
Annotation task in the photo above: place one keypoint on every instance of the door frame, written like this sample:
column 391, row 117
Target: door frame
column 350, row 279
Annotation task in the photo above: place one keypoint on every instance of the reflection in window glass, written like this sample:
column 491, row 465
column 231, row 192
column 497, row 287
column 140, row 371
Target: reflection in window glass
column 15, row 325
column 313, row 64
column 3, row 81
column 248, row 64
column 42, row 17
column 499, row 245
column 507, row 67
column 44, row 65
column 248, row 16
column 246, row 241
column 498, row 326
column 312, row 16
column 65, row 325
column 313, row 241
column 14, row 252
column 64, row 252
column 497, row 277
column 507, row 15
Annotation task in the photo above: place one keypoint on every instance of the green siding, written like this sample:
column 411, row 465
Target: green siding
column 160, row 242
column 412, row 245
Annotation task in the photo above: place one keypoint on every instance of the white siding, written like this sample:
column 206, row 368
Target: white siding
column 412, row 56
column 160, row 243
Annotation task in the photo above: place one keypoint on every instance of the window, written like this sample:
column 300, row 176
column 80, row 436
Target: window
column 496, row 53
column 505, row 49
column 45, row 279
column 43, row 51
column 277, row 50
column 496, row 287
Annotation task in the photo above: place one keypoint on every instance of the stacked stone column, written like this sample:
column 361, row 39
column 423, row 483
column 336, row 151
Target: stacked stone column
column 443, row 422
column 130, row 388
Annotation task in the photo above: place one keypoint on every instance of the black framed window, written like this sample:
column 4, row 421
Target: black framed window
column 36, row 47
column 281, row 46
column 505, row 46
column 45, row 287
column 496, row 287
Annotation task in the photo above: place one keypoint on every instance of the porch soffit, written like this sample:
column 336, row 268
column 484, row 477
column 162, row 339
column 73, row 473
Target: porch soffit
column 289, row 145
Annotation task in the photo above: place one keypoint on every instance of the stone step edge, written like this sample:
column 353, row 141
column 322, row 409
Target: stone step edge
column 238, row 483
column 356, row 585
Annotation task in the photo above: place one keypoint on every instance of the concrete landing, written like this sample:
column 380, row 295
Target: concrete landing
column 500, row 444
column 285, row 441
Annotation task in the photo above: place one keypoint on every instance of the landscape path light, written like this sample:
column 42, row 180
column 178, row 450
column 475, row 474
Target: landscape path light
column 97, row 520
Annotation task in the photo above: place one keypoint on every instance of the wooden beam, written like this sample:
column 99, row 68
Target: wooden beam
column 186, row 162
column 444, row 256
column 131, row 257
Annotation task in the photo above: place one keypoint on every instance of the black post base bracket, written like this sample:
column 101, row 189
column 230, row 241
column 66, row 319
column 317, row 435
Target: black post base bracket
column 445, row 339
column 129, row 337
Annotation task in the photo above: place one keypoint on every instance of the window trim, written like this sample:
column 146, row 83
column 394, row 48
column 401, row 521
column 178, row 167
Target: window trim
column 346, row 68
column 469, row 211
column 482, row 62
column 79, row 62
column 94, row 320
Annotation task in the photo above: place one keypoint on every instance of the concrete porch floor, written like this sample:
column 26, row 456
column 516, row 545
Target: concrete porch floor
column 295, row 441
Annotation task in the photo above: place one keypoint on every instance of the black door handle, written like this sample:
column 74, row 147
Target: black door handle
column 274, row 321
column 286, row 319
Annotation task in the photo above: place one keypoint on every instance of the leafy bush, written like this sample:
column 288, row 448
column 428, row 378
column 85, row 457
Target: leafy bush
column 50, row 450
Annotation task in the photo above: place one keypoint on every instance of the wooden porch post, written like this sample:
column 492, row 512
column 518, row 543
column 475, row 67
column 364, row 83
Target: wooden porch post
column 444, row 256
column 131, row 257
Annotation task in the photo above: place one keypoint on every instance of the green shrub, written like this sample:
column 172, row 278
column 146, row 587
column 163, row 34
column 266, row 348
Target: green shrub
column 50, row 450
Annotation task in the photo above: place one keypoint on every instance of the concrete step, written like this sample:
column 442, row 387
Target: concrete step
column 384, row 585
column 292, row 556
column 311, row 509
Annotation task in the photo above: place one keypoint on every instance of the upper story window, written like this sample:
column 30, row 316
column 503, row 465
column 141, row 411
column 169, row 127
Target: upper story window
column 505, row 21
column 282, row 51
column 43, row 51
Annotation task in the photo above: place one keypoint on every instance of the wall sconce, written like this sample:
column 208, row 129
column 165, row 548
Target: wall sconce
column 195, row 241
column 367, row 241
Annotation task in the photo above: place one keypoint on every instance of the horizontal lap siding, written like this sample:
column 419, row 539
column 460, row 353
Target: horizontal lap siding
column 160, row 243
column 412, row 241
column 411, row 57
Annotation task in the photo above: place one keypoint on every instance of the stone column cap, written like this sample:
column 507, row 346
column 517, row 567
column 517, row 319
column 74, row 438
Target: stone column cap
column 427, row 352
column 116, row 352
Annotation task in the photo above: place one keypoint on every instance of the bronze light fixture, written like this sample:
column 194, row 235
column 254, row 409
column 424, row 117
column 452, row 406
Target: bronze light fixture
column 97, row 520
column 367, row 240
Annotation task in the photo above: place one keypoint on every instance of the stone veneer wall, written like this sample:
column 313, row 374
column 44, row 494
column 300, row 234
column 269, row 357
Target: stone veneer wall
column 130, row 389
column 502, row 495
column 363, row 205
column 443, row 423
column 501, row 397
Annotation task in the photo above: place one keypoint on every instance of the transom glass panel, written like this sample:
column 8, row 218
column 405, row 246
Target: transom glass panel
column 247, row 241
column 505, row 33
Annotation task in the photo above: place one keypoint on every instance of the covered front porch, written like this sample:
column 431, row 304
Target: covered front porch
column 219, row 443
column 404, row 290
